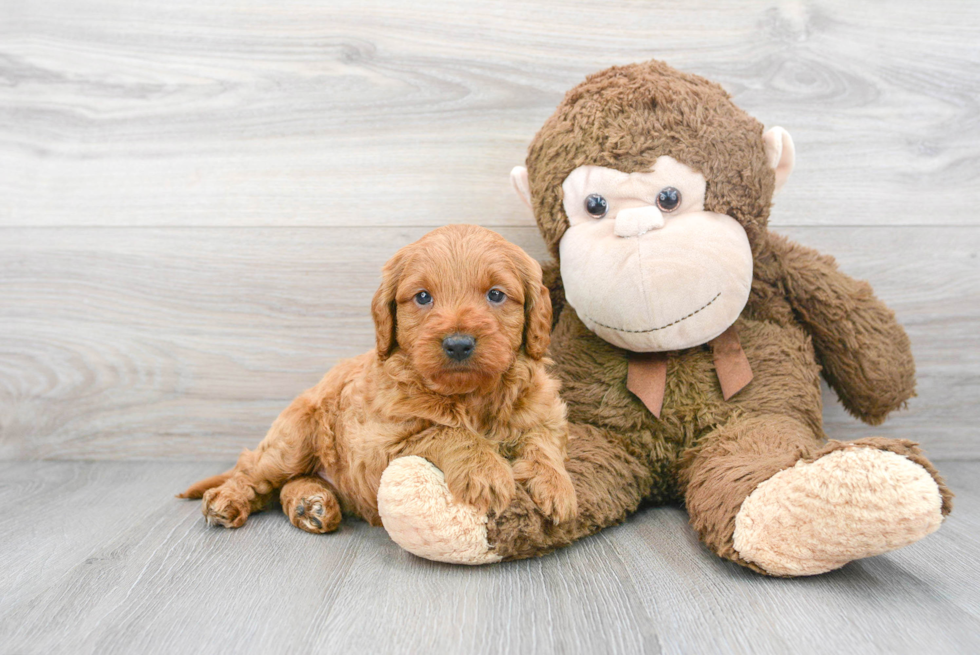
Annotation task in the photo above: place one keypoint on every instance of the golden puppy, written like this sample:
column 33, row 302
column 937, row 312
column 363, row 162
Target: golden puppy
column 458, row 377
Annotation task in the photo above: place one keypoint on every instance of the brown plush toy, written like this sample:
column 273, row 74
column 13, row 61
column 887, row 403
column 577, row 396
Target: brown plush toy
column 689, row 341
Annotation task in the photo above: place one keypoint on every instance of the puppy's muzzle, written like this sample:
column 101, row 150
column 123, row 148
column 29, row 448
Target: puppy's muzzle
column 458, row 347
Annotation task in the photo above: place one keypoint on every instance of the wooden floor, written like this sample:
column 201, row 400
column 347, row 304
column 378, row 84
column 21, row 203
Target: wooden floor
column 196, row 198
column 98, row 557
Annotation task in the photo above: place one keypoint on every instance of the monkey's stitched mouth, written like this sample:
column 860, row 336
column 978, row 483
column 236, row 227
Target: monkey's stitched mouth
column 683, row 318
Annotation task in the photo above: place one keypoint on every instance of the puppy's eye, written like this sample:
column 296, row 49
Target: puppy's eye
column 423, row 298
column 496, row 296
column 596, row 205
column 668, row 199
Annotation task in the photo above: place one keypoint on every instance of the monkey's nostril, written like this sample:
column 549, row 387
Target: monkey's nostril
column 458, row 347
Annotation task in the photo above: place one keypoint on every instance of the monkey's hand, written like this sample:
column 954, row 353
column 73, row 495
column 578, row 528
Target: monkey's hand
column 865, row 354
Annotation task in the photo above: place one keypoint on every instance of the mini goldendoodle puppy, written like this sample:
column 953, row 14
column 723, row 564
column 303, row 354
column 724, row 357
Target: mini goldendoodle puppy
column 458, row 377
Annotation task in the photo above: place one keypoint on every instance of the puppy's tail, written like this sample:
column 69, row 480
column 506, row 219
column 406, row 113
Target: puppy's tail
column 197, row 489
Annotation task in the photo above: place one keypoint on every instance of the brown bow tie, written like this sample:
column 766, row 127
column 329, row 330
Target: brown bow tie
column 647, row 376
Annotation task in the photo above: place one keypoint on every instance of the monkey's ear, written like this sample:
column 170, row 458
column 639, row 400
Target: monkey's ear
column 384, row 307
column 780, row 153
column 518, row 177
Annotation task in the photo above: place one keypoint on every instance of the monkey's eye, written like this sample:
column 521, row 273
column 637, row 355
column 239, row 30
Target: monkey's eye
column 496, row 296
column 668, row 199
column 423, row 298
column 596, row 205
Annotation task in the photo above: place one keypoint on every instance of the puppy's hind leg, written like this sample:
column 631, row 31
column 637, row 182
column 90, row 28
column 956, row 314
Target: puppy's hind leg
column 197, row 489
column 228, row 499
column 286, row 452
column 310, row 504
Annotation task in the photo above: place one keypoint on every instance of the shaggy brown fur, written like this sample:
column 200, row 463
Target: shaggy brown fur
column 803, row 315
column 408, row 397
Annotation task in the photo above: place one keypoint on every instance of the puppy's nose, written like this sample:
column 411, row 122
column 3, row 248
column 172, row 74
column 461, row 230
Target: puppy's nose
column 458, row 346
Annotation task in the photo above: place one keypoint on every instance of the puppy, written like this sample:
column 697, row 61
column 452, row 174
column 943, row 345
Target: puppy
column 458, row 377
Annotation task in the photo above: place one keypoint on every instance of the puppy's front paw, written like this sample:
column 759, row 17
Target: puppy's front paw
column 225, row 505
column 551, row 489
column 487, row 486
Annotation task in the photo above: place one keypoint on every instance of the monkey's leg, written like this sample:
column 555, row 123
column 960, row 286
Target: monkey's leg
column 765, row 493
column 420, row 514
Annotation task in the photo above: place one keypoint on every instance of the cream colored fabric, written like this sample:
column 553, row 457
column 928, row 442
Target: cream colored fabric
column 518, row 178
column 422, row 517
column 852, row 503
column 637, row 221
column 649, row 281
column 781, row 153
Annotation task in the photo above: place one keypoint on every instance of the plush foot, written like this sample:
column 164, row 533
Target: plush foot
column 851, row 503
column 421, row 515
column 310, row 505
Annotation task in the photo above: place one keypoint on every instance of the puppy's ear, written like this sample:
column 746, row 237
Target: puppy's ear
column 537, row 306
column 537, row 321
column 384, row 307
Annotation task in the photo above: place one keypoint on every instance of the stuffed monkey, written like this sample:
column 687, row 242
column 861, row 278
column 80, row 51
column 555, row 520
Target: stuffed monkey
column 689, row 341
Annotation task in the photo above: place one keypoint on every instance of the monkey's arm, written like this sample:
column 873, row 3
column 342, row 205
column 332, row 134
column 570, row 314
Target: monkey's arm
column 865, row 354
column 552, row 279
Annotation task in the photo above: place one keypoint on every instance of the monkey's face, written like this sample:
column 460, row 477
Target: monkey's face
column 644, row 265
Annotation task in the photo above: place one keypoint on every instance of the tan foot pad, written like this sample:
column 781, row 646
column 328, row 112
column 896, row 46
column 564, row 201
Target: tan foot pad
column 851, row 503
column 422, row 517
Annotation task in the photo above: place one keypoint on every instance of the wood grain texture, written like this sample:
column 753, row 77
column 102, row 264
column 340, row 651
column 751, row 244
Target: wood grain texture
column 94, row 504
column 186, row 343
column 196, row 199
column 353, row 112
column 138, row 571
column 219, row 183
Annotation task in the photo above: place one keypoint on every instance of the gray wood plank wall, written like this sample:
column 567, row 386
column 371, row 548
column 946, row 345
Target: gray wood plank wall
column 196, row 197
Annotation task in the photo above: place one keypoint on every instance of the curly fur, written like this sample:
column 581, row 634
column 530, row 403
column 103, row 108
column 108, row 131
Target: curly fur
column 407, row 397
column 803, row 316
